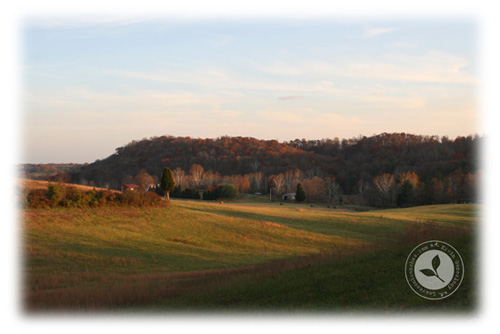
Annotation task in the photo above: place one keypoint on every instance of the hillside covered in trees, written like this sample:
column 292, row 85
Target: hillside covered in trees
column 254, row 165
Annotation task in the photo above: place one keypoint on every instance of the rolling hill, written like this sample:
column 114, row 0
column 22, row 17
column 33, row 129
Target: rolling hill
column 348, row 160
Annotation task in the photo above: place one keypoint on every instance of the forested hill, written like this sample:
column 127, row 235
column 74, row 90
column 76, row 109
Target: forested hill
column 349, row 160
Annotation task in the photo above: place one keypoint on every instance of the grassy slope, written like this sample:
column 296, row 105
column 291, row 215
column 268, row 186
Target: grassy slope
column 27, row 185
column 372, row 282
column 73, row 248
column 183, row 238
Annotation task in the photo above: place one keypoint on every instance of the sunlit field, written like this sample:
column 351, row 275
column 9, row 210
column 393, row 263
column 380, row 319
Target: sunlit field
column 187, row 255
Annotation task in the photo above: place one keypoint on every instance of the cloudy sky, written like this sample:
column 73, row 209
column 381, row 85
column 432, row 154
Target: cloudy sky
column 91, row 84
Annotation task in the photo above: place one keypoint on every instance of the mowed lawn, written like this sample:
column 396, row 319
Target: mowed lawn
column 85, row 258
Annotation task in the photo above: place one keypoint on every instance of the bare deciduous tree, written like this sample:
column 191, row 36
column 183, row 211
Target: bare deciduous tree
column 315, row 189
column 143, row 179
column 385, row 184
column 278, row 183
column 361, row 186
column 333, row 190
column 255, row 165
column 179, row 176
column 256, row 181
column 241, row 183
column 410, row 177
column 210, row 178
column 291, row 178
column 196, row 171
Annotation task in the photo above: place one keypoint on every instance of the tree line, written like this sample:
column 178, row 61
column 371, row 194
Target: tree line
column 384, row 190
column 447, row 169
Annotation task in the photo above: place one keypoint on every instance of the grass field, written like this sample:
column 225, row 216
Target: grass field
column 203, row 255
column 26, row 184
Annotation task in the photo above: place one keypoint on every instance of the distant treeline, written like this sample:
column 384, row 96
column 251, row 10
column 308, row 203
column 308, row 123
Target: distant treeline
column 347, row 160
column 442, row 170
column 49, row 172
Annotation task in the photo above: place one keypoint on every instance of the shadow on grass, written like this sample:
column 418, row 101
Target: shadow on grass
column 351, row 227
column 101, row 291
column 372, row 281
column 356, row 279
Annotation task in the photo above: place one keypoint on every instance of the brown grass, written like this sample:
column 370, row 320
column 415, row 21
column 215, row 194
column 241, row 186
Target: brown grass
column 98, row 291
column 271, row 224
column 29, row 185
column 424, row 230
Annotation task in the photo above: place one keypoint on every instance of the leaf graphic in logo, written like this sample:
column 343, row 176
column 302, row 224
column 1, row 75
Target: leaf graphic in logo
column 428, row 272
column 436, row 262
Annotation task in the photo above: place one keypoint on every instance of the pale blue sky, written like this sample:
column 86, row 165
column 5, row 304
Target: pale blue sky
column 93, row 84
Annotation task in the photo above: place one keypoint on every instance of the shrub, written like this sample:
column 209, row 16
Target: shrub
column 55, row 194
column 226, row 191
column 59, row 196
column 177, row 192
column 191, row 193
column 37, row 199
column 74, row 198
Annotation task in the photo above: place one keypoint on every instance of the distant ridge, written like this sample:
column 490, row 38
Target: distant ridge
column 349, row 160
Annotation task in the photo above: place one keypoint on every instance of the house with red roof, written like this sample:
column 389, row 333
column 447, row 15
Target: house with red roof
column 130, row 187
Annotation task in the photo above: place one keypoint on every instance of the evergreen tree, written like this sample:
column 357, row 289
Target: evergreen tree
column 167, row 183
column 405, row 195
column 300, row 195
column 226, row 191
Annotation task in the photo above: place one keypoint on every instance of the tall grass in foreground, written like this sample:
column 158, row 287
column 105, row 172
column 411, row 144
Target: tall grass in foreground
column 110, row 291
column 191, row 253
column 203, row 289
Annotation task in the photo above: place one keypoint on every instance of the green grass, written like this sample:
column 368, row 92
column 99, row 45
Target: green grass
column 184, row 237
column 373, row 282
column 89, row 258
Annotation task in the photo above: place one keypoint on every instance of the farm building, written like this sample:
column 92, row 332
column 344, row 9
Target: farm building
column 152, row 187
column 289, row 197
column 130, row 187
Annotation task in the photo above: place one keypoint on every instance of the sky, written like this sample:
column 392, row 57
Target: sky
column 58, row 70
column 91, row 84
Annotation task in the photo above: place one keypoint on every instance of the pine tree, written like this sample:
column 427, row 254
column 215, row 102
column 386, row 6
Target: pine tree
column 405, row 195
column 300, row 195
column 167, row 183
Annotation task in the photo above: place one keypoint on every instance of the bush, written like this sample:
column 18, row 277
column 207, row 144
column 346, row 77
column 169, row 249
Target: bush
column 37, row 199
column 59, row 196
column 226, row 191
column 220, row 191
column 188, row 193
column 139, row 198
column 55, row 194
column 74, row 198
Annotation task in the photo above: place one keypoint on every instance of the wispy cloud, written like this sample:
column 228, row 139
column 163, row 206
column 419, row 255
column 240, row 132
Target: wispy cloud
column 291, row 97
column 82, row 101
column 372, row 32
column 229, row 83
column 432, row 66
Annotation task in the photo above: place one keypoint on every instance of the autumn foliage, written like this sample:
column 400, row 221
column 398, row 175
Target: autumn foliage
column 58, row 195
column 384, row 170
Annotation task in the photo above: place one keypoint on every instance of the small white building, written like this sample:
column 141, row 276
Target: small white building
column 152, row 187
column 288, row 197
